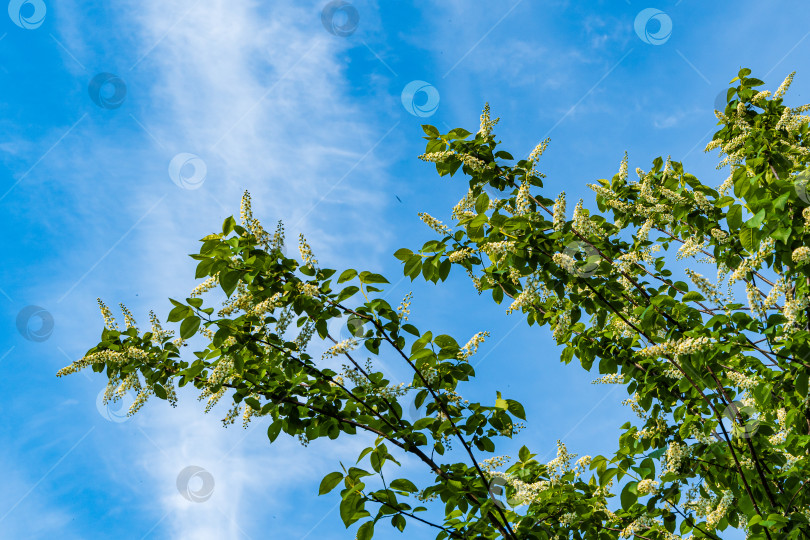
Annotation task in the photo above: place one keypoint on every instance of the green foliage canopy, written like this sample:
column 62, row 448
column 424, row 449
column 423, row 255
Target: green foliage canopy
column 720, row 386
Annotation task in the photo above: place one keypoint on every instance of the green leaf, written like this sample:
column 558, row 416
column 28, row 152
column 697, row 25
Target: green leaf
column 413, row 266
column 482, row 203
column 366, row 531
column 692, row 295
column 782, row 234
column 159, row 391
column 404, row 485
column 273, row 430
column 347, row 275
column 734, row 217
column 516, row 409
column 756, row 221
column 629, row 495
column 179, row 313
column 430, row 130
column 747, row 240
column 329, row 482
column 398, row 521
column 189, row 326
column 403, row 254
column 801, row 384
column 368, row 277
column 229, row 280
column 228, row 225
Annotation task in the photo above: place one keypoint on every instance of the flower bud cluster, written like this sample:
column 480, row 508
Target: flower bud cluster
column 647, row 487
column 109, row 320
column 306, row 252
column 472, row 162
column 485, row 129
column 404, row 309
column 341, row 347
column 434, row 223
column 674, row 456
column 460, row 255
column 801, row 254
column 611, row 378
column 205, row 286
column 437, row 157
column 559, row 212
column 471, row 348
column 719, row 513
column 493, row 463
column 690, row 247
column 783, row 88
column 678, row 347
column 705, row 286
column 522, row 201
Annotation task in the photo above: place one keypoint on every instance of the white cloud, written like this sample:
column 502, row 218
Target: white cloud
column 259, row 93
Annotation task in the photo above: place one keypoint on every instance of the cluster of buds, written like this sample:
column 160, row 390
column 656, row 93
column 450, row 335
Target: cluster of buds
column 434, row 223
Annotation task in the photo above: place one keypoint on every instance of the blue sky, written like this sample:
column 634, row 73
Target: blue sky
column 260, row 96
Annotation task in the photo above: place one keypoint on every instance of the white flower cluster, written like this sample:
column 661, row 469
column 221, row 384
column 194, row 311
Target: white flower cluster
column 792, row 309
column 129, row 320
column 632, row 401
column 783, row 88
column 801, row 254
column 741, row 380
column 647, row 487
column 306, row 252
column 497, row 251
column 559, row 212
column 760, row 96
column 241, row 301
column 493, row 463
column 719, row 513
column 640, row 524
column 705, row 286
column 437, row 157
column 472, row 162
column 753, row 299
column 434, row 223
column 107, row 357
column 460, row 255
column 463, row 208
column 538, row 151
column 565, row 261
column 404, row 309
column 611, row 378
column 253, row 225
column 265, row 306
column 583, row 224
column 690, row 247
column 522, row 201
column 109, row 320
column 674, row 456
column 471, row 348
column 341, row 347
column 678, row 347
column 644, row 232
column 308, row 289
column 623, row 168
column 205, row 286
column 561, row 326
column 485, row 129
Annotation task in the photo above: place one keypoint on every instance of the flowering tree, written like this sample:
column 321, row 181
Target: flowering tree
column 720, row 386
